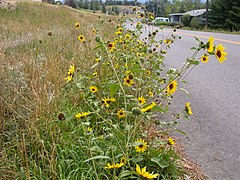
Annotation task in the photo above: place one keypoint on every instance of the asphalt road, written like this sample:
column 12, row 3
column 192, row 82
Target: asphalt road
column 214, row 93
column 214, row 130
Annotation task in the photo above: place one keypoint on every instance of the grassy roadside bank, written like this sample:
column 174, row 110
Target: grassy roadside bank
column 52, row 129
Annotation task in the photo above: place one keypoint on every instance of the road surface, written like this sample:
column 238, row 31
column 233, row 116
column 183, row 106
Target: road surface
column 214, row 130
column 214, row 93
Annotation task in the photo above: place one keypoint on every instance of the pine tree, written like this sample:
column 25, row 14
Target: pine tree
column 225, row 14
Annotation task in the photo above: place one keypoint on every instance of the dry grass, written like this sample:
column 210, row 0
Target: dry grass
column 33, row 66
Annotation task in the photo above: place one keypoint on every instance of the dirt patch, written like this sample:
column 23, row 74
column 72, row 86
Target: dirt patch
column 7, row 5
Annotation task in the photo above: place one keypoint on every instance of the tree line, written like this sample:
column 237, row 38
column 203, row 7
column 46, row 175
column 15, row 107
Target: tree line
column 223, row 14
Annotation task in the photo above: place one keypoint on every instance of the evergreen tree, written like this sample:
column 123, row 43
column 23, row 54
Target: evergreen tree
column 225, row 14
column 104, row 9
column 86, row 4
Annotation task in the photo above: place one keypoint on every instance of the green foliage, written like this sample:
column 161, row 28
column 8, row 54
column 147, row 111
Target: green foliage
column 186, row 20
column 225, row 15
column 196, row 23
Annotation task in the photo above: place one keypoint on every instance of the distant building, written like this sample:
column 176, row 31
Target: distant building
column 194, row 13
column 176, row 17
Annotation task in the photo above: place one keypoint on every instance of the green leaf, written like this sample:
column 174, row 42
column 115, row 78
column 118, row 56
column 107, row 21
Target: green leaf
column 178, row 130
column 125, row 173
column 158, row 109
column 161, row 162
column 184, row 90
column 193, row 48
column 114, row 89
column 80, row 85
column 137, row 159
column 196, row 62
column 97, row 157
column 197, row 39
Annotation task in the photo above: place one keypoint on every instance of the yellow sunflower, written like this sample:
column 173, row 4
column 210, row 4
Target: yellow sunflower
column 83, row 114
column 143, row 172
column 172, row 87
column 141, row 100
column 81, row 38
column 70, row 73
column 220, row 54
column 123, row 160
column 148, row 108
column 121, row 113
column 167, row 41
column 77, row 25
column 111, row 46
column 171, row 141
column 142, row 147
column 93, row 31
column 120, row 29
column 210, row 45
column 127, row 36
column 128, row 81
column 114, row 165
column 188, row 108
column 93, row 89
column 204, row 58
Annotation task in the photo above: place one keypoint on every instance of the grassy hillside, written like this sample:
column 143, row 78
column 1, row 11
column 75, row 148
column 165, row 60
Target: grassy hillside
column 38, row 42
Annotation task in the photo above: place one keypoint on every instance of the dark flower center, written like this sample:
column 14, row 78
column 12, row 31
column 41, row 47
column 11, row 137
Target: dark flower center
column 219, row 54
column 171, row 86
column 140, row 146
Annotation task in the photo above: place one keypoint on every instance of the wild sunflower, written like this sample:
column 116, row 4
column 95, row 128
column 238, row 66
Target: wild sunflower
column 167, row 41
column 127, row 36
column 89, row 129
column 172, row 87
column 117, row 33
column 128, row 81
column 111, row 46
column 141, row 100
column 143, row 172
column 81, row 38
column 70, row 73
column 220, row 54
column 93, row 31
column 210, row 45
column 163, row 52
column 123, row 160
column 121, row 113
column 93, row 89
column 142, row 147
column 95, row 74
column 204, row 58
column 120, row 29
column 171, row 141
column 151, row 94
column 77, row 25
column 83, row 114
column 149, row 107
column 114, row 165
column 148, row 72
column 106, row 101
column 97, row 60
column 188, row 108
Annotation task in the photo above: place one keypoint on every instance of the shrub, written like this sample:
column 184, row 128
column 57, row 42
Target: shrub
column 186, row 20
column 196, row 23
